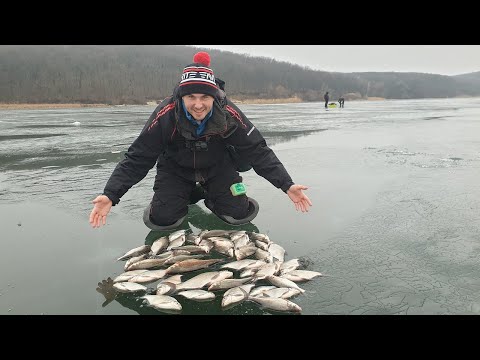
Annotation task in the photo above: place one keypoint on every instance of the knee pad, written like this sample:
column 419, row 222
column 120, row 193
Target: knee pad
column 253, row 209
column 148, row 222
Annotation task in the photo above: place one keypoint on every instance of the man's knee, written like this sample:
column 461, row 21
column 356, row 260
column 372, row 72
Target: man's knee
column 163, row 217
column 237, row 215
column 156, row 219
column 234, row 206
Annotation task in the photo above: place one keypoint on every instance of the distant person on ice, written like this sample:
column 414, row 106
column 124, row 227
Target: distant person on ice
column 188, row 136
column 326, row 97
column 341, row 101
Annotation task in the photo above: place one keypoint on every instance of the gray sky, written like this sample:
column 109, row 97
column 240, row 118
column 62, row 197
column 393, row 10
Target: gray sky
column 434, row 59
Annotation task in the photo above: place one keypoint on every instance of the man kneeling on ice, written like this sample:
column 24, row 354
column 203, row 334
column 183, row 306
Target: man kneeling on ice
column 197, row 137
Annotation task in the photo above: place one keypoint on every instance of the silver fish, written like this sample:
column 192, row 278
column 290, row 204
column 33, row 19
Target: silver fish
column 193, row 249
column 178, row 241
column 147, row 264
column 133, row 260
column 228, row 284
column 135, row 252
column 282, row 282
column 164, row 255
column 261, row 245
column 277, row 251
column 129, row 287
column 236, row 295
column 236, row 234
column 168, row 285
column 256, row 265
column 289, row 265
column 165, row 288
column 239, row 265
column 244, row 251
column 282, row 292
column 191, row 265
column 128, row 275
column 178, row 258
column 179, row 251
column 163, row 303
column 264, row 271
column 230, row 253
column 159, row 245
column 277, row 304
column 206, row 243
column 197, row 295
column 192, row 239
column 259, row 290
column 222, row 275
column 176, row 234
column 301, row 275
column 213, row 233
column 222, row 245
column 263, row 255
column 204, row 279
column 175, row 279
column 222, row 240
column 249, row 271
column 260, row 237
column 239, row 238
column 148, row 276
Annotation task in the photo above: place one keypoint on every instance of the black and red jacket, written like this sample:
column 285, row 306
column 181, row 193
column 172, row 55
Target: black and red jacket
column 169, row 139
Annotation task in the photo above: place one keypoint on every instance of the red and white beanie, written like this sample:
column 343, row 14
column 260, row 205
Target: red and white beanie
column 198, row 78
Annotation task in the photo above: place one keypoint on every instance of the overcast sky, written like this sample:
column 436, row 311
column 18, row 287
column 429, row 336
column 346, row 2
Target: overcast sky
column 434, row 59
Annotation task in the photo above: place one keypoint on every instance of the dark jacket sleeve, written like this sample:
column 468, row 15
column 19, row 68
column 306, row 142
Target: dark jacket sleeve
column 139, row 159
column 252, row 148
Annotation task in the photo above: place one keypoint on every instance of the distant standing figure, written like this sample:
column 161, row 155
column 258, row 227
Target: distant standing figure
column 341, row 100
column 326, row 98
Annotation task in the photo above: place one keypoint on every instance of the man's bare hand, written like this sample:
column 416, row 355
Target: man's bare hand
column 301, row 201
column 101, row 208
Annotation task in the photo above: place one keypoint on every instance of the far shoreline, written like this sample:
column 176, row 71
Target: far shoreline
column 41, row 106
column 45, row 106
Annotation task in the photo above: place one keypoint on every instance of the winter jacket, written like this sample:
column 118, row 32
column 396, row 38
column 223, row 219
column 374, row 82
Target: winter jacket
column 170, row 140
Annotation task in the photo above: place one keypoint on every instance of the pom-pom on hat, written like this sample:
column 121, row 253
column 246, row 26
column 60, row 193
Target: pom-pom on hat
column 198, row 78
column 202, row 57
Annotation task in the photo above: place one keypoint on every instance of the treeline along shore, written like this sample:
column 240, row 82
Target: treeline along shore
column 144, row 74
column 78, row 105
column 27, row 106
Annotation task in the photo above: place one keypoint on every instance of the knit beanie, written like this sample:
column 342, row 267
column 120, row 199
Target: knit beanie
column 198, row 78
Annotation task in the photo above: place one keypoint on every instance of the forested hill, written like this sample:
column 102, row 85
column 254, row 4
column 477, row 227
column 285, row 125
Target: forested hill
column 136, row 74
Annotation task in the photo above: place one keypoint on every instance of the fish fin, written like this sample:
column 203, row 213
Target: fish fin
column 172, row 285
column 245, row 294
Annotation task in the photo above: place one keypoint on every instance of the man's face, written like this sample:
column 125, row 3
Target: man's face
column 198, row 105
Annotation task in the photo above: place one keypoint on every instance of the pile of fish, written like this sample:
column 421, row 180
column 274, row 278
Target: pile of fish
column 237, row 265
